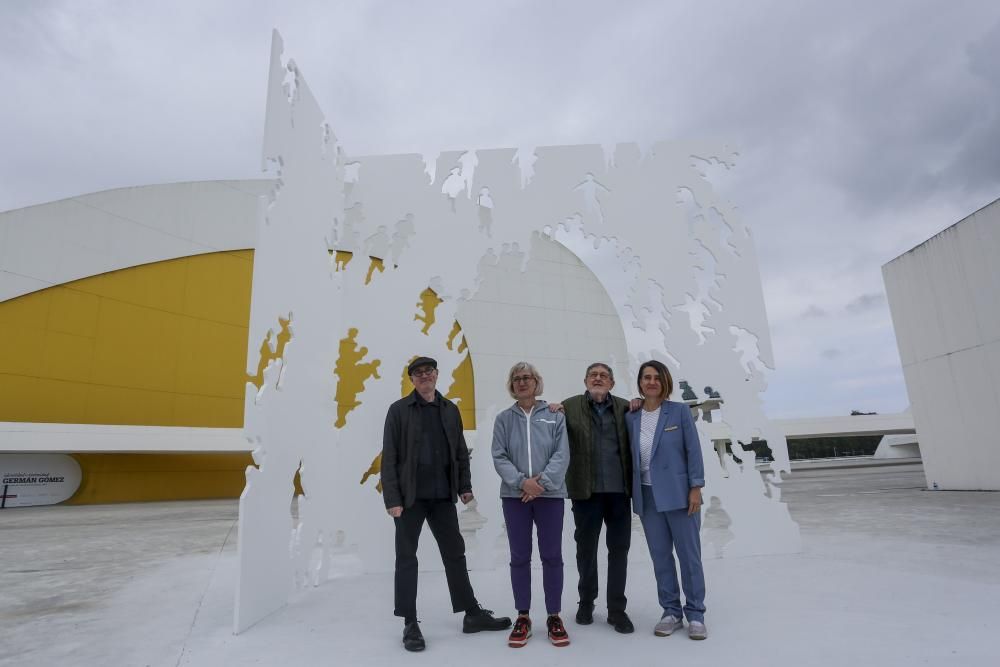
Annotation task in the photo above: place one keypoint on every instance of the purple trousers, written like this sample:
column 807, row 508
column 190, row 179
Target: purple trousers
column 547, row 515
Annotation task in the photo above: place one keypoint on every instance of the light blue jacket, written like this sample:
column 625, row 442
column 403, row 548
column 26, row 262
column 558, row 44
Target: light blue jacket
column 520, row 452
column 676, row 465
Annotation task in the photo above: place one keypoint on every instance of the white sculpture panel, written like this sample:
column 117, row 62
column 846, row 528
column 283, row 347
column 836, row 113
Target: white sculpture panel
column 346, row 251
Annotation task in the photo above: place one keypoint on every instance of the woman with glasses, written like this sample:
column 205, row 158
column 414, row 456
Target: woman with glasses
column 668, row 473
column 531, row 455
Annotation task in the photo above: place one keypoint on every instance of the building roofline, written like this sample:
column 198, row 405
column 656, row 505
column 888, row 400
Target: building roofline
column 954, row 224
column 217, row 181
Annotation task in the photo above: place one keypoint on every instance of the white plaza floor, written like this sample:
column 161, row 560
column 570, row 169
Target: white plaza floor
column 890, row 574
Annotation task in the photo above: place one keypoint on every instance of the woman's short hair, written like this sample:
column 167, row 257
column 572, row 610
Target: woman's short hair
column 524, row 366
column 666, row 380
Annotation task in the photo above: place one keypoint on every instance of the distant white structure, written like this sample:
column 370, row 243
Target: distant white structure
column 944, row 296
column 898, row 447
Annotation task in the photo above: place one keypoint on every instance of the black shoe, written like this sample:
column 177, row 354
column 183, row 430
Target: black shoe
column 479, row 619
column 620, row 621
column 413, row 639
column 585, row 613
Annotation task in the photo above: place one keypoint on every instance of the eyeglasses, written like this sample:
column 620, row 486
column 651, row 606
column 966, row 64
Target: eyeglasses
column 595, row 375
column 522, row 378
column 424, row 372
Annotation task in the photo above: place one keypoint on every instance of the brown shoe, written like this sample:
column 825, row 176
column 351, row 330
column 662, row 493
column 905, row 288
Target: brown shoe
column 557, row 631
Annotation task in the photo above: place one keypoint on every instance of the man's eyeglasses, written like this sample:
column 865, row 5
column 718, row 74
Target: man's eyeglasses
column 598, row 375
column 522, row 378
column 424, row 372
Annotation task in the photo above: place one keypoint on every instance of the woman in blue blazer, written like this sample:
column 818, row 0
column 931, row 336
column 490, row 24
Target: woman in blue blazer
column 668, row 473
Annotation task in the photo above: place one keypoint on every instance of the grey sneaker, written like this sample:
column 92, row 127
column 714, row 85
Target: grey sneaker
column 697, row 630
column 667, row 625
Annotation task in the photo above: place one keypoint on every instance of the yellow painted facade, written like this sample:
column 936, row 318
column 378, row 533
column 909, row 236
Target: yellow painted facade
column 129, row 478
column 162, row 344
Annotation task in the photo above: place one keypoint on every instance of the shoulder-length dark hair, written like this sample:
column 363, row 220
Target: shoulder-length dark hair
column 666, row 380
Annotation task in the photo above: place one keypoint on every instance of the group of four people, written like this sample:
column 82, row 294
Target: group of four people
column 593, row 448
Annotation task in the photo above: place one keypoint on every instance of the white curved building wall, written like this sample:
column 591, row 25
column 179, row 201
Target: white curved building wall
column 943, row 295
column 58, row 242
column 554, row 314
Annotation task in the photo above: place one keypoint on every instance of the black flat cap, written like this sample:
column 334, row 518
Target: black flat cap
column 418, row 362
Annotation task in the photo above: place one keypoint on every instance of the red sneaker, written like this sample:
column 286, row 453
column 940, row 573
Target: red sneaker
column 557, row 631
column 519, row 635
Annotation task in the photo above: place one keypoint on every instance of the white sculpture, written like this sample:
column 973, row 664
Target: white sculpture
column 691, row 298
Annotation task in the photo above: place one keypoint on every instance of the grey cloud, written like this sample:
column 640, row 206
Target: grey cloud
column 813, row 311
column 976, row 166
column 830, row 353
column 901, row 115
column 865, row 302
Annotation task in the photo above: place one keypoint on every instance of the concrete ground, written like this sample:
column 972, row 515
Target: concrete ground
column 890, row 574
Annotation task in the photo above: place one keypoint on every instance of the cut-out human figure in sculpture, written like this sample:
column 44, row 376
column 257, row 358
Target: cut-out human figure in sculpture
column 456, row 329
column 352, row 375
column 668, row 474
column 376, row 265
column 486, row 263
column 512, row 257
column 401, row 235
column 352, row 171
column 349, row 234
column 267, row 355
column 429, row 301
column 377, row 249
column 592, row 189
column 599, row 482
column 341, row 259
column 453, row 186
column 331, row 237
column 374, row 469
column 284, row 335
column 531, row 455
column 485, row 211
column 425, row 470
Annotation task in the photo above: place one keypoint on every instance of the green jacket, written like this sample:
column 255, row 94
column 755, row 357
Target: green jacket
column 580, row 476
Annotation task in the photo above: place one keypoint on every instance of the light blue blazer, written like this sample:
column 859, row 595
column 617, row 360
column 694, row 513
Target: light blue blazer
column 676, row 465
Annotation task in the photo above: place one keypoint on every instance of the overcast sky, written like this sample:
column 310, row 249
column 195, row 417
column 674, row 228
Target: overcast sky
column 864, row 127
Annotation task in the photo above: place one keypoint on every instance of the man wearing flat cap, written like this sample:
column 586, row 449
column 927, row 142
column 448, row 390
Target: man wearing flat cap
column 425, row 469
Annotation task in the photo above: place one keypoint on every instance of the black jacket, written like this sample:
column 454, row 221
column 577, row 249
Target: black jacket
column 399, row 451
column 580, row 476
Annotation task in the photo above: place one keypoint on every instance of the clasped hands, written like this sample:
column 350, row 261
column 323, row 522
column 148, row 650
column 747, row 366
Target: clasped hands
column 531, row 489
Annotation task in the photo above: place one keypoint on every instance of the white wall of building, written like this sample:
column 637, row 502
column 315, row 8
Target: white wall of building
column 945, row 301
column 58, row 242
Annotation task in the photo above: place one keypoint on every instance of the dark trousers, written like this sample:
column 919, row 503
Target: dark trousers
column 546, row 515
column 442, row 518
column 614, row 511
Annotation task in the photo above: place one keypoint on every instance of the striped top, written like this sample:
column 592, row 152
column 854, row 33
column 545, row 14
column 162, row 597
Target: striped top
column 647, row 431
